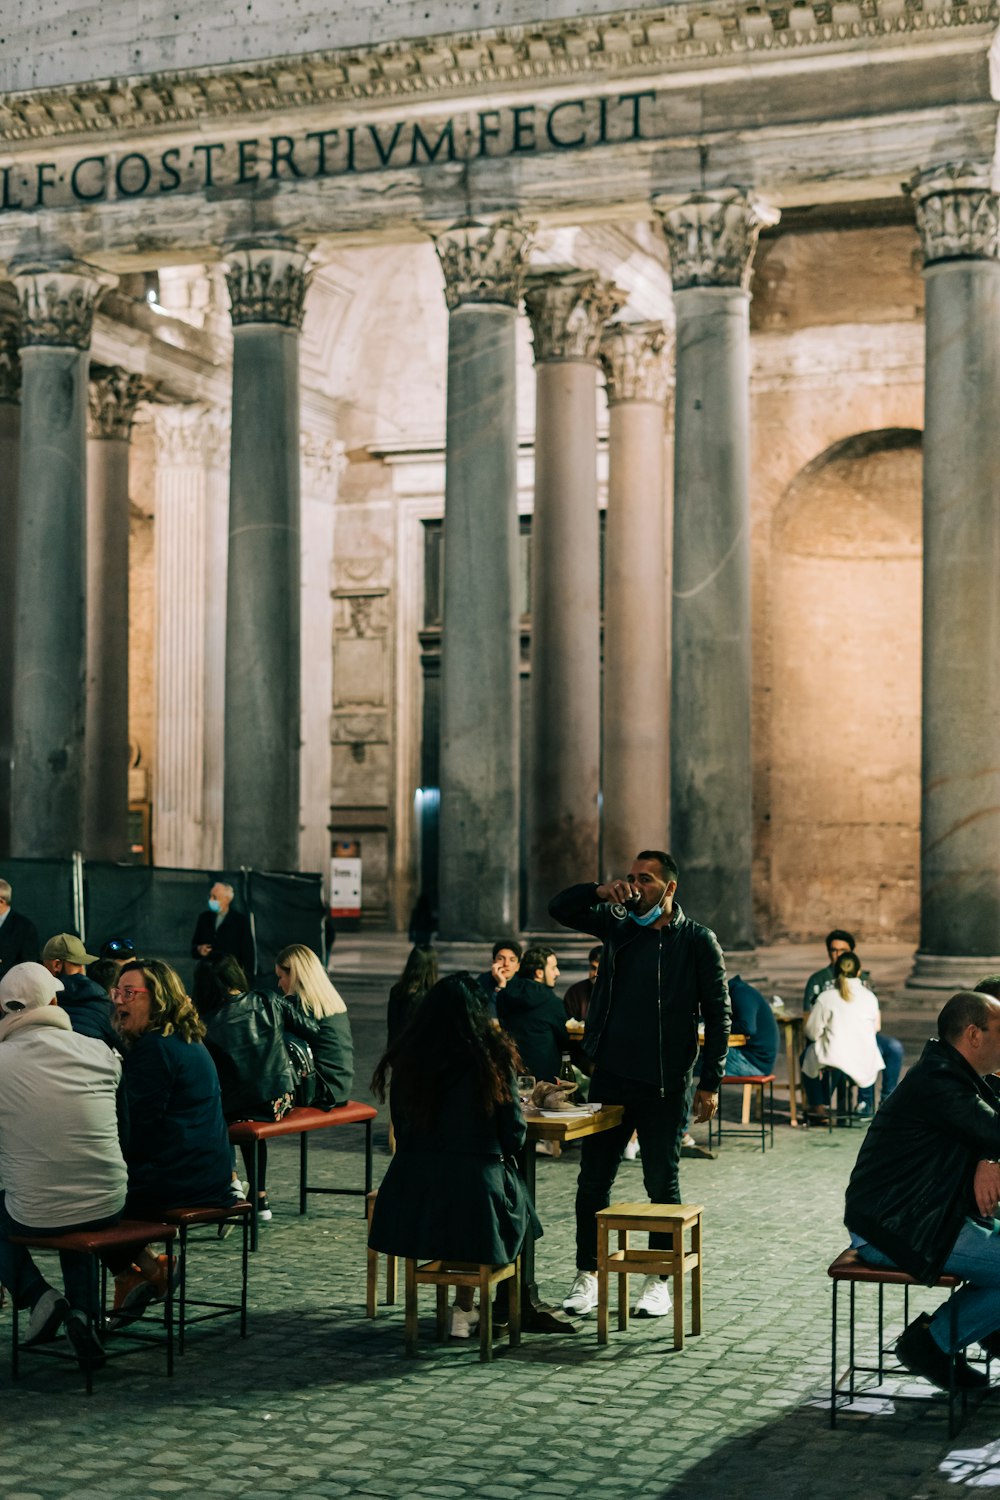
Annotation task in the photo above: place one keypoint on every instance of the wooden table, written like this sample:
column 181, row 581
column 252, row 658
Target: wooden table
column 537, row 1315
column 792, row 1023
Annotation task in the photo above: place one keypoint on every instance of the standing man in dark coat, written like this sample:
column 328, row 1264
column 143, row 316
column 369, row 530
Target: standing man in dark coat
column 18, row 937
column 222, row 930
column 660, row 974
column 925, row 1188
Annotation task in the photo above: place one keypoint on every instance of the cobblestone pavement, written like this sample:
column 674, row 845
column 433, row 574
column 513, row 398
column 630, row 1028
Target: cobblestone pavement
column 318, row 1402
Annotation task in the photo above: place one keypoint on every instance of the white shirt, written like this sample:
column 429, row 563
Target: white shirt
column 843, row 1035
column 60, row 1160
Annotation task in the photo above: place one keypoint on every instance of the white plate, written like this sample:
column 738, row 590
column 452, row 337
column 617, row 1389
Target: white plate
column 578, row 1112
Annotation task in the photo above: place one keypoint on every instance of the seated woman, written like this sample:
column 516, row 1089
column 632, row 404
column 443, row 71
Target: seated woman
column 245, row 1035
column 303, row 979
column 452, row 1191
column 842, row 1028
column 178, row 1152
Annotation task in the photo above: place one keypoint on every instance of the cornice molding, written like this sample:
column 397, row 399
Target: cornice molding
column 675, row 38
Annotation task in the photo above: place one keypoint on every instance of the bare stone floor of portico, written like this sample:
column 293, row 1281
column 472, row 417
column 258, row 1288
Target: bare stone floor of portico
column 318, row 1402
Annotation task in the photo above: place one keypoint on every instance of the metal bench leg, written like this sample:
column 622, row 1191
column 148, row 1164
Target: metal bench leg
column 245, row 1273
column 183, row 1285
column 833, row 1361
column 303, row 1170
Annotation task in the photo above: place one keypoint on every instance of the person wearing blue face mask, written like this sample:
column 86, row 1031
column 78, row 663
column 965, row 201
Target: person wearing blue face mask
column 660, row 975
column 221, row 930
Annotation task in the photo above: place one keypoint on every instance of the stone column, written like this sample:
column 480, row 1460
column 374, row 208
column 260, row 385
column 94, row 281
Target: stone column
column 10, row 441
column 480, row 758
column 114, row 396
column 192, row 452
column 568, row 309
column 635, row 745
column 711, row 239
column 958, row 216
column 267, row 282
column 57, row 311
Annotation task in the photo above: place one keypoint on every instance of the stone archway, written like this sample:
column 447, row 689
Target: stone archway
column 845, row 765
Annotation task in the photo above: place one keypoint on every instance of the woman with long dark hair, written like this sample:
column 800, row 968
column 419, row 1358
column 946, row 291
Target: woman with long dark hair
column 420, row 973
column 452, row 1191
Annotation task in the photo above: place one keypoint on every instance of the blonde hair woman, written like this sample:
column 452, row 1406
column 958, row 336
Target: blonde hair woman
column 302, row 978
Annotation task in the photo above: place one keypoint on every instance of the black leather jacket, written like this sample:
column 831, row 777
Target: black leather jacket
column 246, row 1039
column 911, row 1188
column 692, row 985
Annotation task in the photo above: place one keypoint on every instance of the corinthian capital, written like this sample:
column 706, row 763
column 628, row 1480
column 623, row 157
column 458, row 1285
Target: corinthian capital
column 636, row 359
column 58, row 301
column 192, row 435
column 712, row 236
column 114, row 395
column 267, row 281
column 482, row 262
column 10, row 365
column 958, row 212
column 568, row 309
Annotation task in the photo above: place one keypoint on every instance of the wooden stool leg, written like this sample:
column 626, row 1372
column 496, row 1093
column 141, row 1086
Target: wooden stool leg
column 390, row 1280
column 514, row 1306
column 696, row 1276
column 678, row 1239
column 622, row 1285
column 442, row 1312
column 371, row 1285
column 602, row 1282
column 410, row 1294
column 747, row 1097
column 485, row 1316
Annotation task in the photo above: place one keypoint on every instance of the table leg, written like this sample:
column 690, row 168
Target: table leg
column 793, row 1075
column 536, row 1316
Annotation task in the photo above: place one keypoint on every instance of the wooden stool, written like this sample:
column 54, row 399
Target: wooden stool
column 661, row 1218
column 371, row 1293
column 443, row 1274
column 750, row 1081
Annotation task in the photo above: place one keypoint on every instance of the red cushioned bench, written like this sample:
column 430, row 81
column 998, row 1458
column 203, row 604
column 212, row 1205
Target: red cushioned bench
column 850, row 1268
column 301, row 1122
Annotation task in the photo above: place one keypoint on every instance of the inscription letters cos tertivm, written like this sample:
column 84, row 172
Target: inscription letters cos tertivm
column 232, row 165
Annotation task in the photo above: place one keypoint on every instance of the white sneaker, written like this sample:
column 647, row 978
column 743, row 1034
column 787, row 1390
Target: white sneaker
column 47, row 1317
column 583, row 1293
column 654, row 1299
column 462, row 1324
column 632, row 1150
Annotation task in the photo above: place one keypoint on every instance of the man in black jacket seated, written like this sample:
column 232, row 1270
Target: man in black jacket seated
column 660, row 973
column 926, row 1186
column 530, row 1011
column 90, row 1011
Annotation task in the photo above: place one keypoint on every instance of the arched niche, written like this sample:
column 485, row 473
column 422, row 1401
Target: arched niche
column 845, row 743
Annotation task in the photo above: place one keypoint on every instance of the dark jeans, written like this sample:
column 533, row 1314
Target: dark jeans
column 19, row 1272
column 660, row 1124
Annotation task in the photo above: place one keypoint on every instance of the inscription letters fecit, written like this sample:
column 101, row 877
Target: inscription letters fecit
column 237, row 165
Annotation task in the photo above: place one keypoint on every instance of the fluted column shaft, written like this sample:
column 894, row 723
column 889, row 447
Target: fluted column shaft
column 958, row 215
column 114, row 395
column 711, row 239
column 267, row 284
column 635, row 720
column 10, row 442
column 568, row 309
column 57, row 307
column 480, row 754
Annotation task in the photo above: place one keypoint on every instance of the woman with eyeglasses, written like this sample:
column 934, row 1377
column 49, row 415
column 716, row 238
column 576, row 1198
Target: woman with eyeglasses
column 304, row 980
column 178, row 1153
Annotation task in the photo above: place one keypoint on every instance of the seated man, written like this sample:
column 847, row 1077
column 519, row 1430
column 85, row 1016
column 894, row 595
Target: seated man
column 837, row 942
column 506, row 957
column 61, row 1162
column 926, row 1186
column 530, row 1011
column 754, row 1017
column 576, row 1000
column 90, row 1011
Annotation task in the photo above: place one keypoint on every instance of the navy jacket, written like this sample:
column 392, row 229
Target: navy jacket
column 178, row 1152
column 533, row 1015
column 754, row 1017
column 90, row 1011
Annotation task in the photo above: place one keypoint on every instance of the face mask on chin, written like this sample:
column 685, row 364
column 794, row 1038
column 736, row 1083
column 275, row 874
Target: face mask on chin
column 649, row 917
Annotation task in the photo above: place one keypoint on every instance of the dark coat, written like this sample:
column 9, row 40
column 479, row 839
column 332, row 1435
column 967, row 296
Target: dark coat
column 452, row 1191
column 233, row 935
column 18, row 942
column 178, row 1152
column 533, row 1015
column 911, row 1188
column 754, row 1017
column 246, row 1039
column 90, row 1011
column 333, row 1054
column 692, row 985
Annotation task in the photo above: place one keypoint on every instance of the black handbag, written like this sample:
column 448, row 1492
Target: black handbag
column 304, row 1067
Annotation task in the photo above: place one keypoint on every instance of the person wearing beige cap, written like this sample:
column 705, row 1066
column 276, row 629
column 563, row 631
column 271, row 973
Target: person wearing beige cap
column 90, row 1011
column 61, row 1162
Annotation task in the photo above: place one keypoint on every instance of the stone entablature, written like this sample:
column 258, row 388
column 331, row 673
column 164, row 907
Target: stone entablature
column 676, row 38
